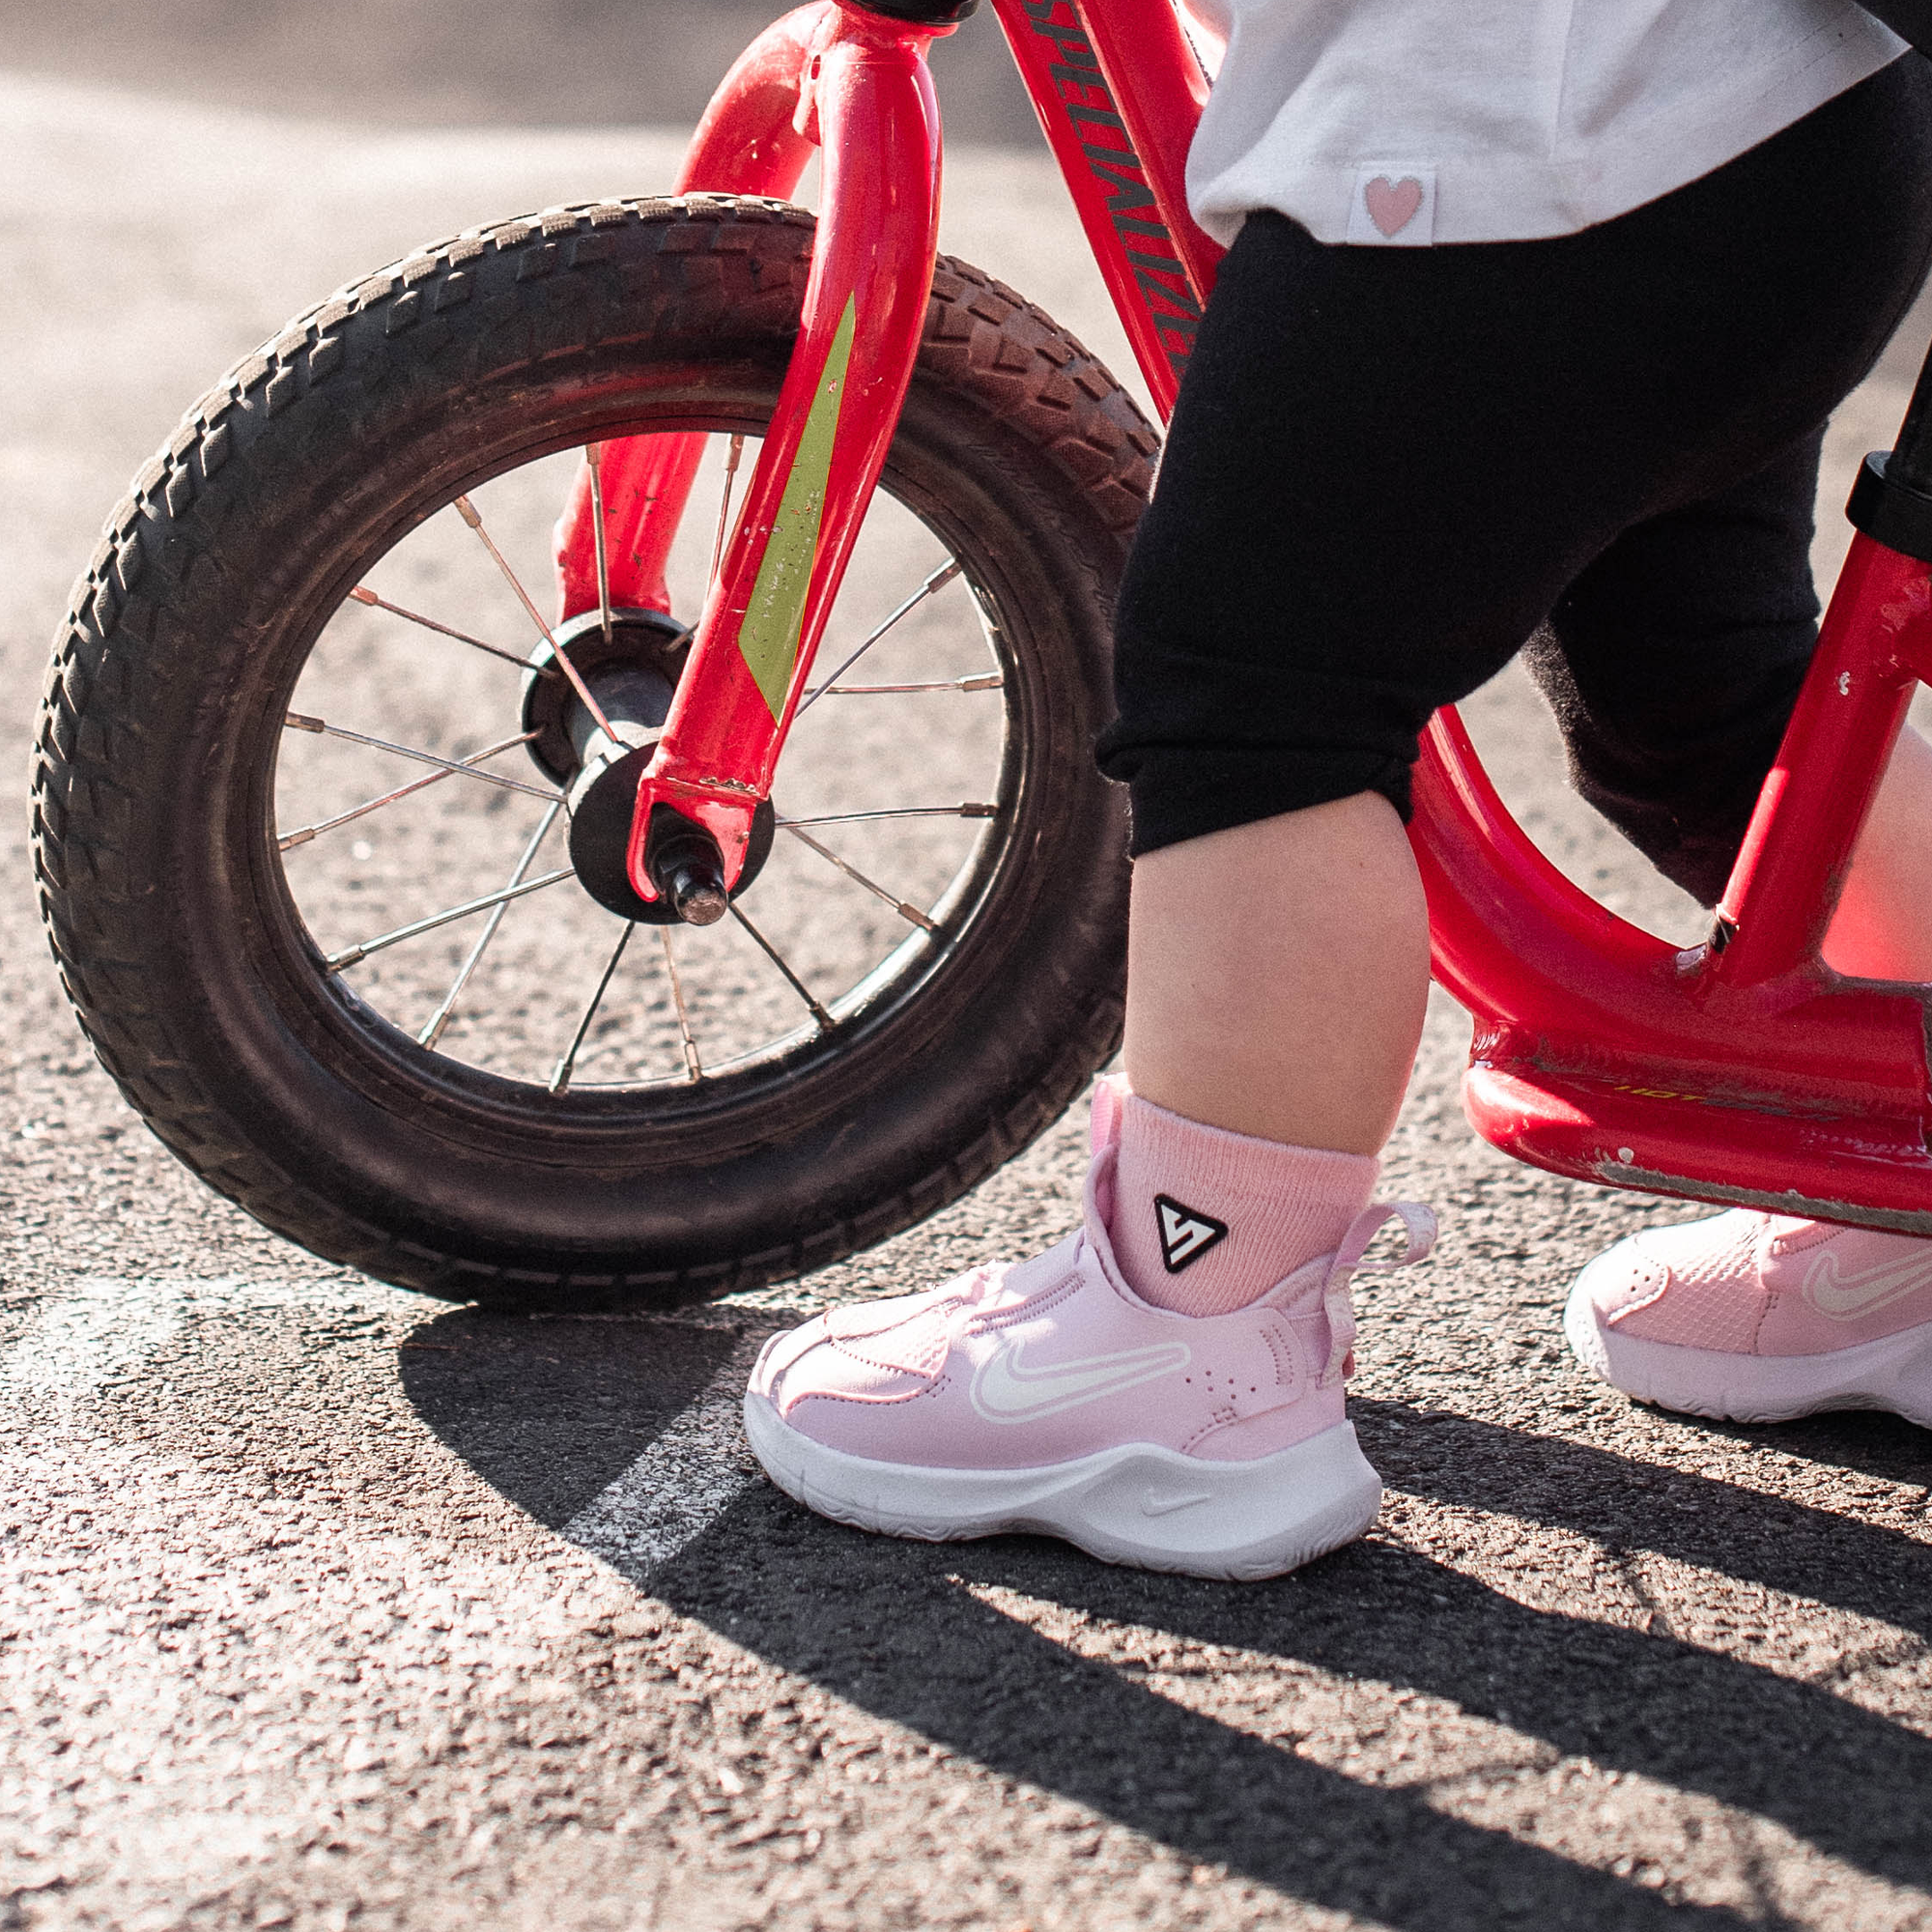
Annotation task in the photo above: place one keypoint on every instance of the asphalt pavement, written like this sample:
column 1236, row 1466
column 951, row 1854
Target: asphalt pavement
column 325, row 1606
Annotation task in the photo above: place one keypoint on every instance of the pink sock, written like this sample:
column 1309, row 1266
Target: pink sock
column 1205, row 1221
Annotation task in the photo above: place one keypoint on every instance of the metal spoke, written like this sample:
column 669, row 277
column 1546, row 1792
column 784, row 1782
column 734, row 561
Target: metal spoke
column 898, row 811
column 362, row 595
column 467, row 510
column 559, row 1078
column 731, row 461
column 303, row 834
column 296, row 722
column 593, row 455
column 692, row 1067
column 336, row 963
column 438, row 1020
column 772, row 953
column 934, row 584
column 991, row 681
column 858, row 878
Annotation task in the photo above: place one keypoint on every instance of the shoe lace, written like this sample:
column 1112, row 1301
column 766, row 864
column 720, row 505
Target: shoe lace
column 1417, row 1220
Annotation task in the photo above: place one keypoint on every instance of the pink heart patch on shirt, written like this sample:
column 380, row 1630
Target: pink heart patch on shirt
column 1392, row 205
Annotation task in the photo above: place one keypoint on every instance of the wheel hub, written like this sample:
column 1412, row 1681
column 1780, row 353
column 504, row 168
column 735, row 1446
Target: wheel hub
column 633, row 673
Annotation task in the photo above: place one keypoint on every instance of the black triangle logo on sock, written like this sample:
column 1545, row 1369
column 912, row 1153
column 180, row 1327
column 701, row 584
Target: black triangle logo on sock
column 1185, row 1232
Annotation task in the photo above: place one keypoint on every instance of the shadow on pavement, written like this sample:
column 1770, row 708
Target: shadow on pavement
column 1848, row 1780
column 901, row 1639
column 1629, row 1505
column 553, row 1413
column 1870, row 1444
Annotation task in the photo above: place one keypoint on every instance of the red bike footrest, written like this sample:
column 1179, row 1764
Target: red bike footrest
column 1871, row 1170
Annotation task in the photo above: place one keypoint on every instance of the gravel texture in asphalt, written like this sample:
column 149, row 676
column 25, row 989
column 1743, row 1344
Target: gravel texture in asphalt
column 328, row 1606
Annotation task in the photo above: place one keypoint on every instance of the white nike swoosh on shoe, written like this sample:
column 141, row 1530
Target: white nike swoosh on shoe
column 1006, row 1390
column 1843, row 1298
column 1154, row 1503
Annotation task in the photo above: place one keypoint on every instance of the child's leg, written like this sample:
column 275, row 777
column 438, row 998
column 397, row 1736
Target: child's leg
column 1276, row 979
column 1276, row 975
column 1672, row 664
column 1385, row 471
column 1386, row 466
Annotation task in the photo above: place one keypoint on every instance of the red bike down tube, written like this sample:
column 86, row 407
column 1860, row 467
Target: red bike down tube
column 1741, row 1071
column 1119, row 93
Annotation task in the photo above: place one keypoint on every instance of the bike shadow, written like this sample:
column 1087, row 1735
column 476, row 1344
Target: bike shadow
column 1625, row 1505
column 551, row 1413
column 1863, row 1443
column 968, row 1645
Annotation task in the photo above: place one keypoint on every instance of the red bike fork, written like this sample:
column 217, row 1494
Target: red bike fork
column 854, row 83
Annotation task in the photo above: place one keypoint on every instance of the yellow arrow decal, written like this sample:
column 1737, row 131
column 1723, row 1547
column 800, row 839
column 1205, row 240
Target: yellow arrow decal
column 768, row 637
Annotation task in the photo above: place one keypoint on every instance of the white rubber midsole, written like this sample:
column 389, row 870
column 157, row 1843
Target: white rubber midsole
column 1135, row 1503
column 1893, row 1373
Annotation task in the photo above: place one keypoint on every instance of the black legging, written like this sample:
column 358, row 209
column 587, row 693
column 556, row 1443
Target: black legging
column 1390, row 466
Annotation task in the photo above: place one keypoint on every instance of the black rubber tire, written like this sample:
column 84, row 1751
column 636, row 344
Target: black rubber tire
column 175, row 931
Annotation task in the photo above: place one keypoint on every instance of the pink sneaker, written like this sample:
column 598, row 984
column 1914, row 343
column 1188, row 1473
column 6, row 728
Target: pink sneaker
column 1048, row 1397
column 1759, row 1317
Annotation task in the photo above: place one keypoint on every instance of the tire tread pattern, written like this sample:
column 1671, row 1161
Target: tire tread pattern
column 736, row 257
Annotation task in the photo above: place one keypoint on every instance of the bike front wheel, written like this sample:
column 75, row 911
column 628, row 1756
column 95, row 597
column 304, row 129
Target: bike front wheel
column 300, row 826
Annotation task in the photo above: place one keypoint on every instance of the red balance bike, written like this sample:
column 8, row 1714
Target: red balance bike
column 567, row 782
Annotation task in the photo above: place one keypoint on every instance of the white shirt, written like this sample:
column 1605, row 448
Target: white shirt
column 1408, row 121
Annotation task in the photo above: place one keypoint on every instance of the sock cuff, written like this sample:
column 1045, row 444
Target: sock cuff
column 1243, row 1167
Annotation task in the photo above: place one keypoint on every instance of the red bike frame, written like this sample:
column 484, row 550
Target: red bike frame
column 1742, row 1070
